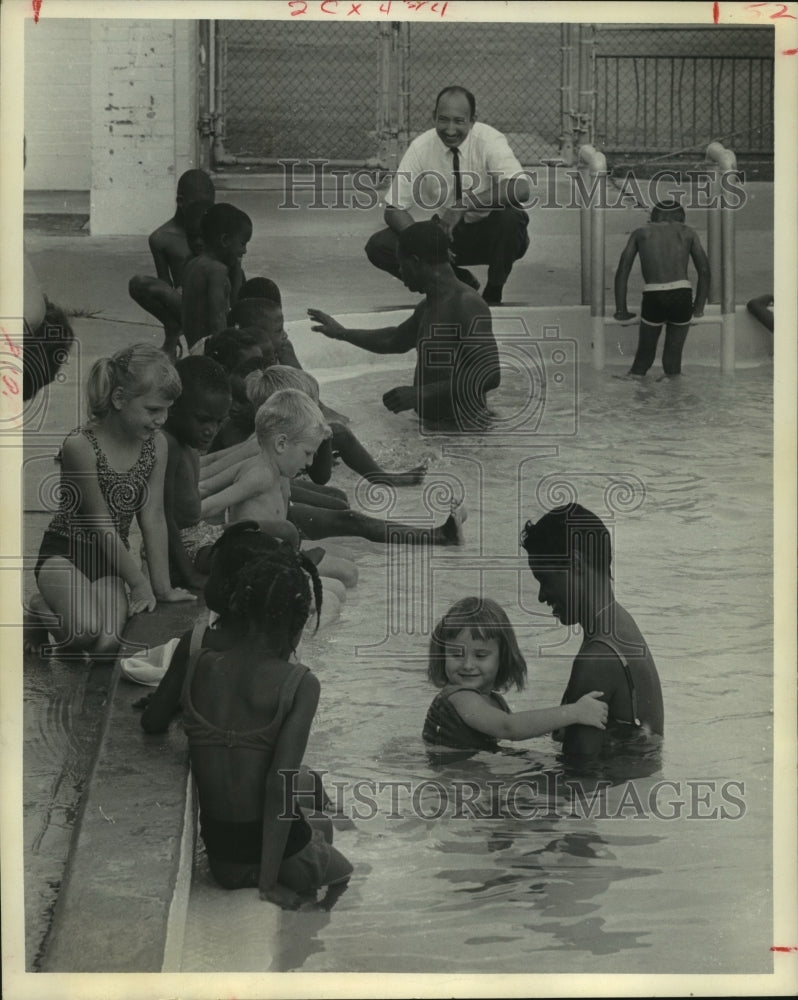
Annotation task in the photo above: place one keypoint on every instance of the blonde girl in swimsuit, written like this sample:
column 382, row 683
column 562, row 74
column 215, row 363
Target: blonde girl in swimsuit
column 112, row 468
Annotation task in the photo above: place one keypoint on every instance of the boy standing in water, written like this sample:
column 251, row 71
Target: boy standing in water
column 570, row 555
column 665, row 246
column 171, row 248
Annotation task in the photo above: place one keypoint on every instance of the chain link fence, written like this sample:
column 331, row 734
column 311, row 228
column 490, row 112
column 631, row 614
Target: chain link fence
column 357, row 93
column 513, row 70
column 300, row 90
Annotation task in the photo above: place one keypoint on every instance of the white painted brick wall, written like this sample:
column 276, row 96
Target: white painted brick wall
column 58, row 105
column 143, row 117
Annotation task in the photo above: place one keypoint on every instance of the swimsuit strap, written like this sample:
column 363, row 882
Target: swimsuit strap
column 197, row 633
column 628, row 673
column 494, row 695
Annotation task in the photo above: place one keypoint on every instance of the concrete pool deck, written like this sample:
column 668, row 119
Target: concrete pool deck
column 320, row 263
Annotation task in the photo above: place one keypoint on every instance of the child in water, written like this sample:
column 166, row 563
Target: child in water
column 570, row 556
column 247, row 711
column 473, row 656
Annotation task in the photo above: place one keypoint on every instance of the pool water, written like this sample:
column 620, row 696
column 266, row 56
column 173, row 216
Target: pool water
column 674, row 872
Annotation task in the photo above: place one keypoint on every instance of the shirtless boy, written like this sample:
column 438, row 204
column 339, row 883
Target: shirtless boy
column 570, row 556
column 212, row 279
column 290, row 428
column 665, row 246
column 172, row 245
column 458, row 361
column 192, row 423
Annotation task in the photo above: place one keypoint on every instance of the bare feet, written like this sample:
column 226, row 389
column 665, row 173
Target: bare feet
column 451, row 531
column 35, row 621
column 411, row 478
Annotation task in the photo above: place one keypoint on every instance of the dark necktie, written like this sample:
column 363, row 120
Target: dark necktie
column 458, row 181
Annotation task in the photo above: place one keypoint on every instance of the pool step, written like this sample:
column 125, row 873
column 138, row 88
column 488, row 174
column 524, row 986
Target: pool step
column 113, row 909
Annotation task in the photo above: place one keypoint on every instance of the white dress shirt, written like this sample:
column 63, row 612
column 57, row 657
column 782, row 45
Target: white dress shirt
column 424, row 180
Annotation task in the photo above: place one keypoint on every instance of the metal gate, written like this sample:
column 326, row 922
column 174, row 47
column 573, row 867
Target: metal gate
column 684, row 88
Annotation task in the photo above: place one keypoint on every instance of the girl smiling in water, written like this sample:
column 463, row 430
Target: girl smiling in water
column 473, row 656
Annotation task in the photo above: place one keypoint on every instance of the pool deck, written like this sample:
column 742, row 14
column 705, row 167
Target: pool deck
column 120, row 867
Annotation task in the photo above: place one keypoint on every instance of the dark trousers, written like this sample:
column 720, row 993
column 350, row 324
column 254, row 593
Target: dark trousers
column 675, row 337
column 498, row 240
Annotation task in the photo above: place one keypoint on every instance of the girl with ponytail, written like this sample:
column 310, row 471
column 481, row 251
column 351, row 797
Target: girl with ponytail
column 112, row 468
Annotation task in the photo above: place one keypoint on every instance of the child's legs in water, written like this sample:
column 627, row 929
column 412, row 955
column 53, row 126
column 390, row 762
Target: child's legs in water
column 646, row 348
column 342, row 571
column 93, row 613
column 675, row 336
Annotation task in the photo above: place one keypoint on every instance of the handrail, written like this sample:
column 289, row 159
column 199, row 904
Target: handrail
column 591, row 217
column 720, row 247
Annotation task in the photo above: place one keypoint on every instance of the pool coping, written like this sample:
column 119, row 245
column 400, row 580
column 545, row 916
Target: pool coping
column 122, row 883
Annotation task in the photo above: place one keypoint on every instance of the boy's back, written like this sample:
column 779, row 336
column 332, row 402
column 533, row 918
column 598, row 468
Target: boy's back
column 206, row 298
column 170, row 251
column 664, row 249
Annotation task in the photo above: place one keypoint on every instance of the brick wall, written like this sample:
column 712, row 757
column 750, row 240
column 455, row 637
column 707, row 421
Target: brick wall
column 143, row 116
column 57, row 105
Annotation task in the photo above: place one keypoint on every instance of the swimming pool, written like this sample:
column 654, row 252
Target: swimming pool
column 682, row 473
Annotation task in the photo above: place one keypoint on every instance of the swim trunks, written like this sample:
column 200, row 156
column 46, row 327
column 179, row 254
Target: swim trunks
column 200, row 536
column 84, row 551
column 673, row 306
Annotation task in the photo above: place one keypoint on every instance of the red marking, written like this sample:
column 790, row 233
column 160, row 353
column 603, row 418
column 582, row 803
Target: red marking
column 789, row 52
column 11, row 384
column 354, row 9
column 37, row 6
column 326, row 3
column 385, row 8
column 787, row 948
column 298, row 3
column 716, row 11
column 16, row 350
column 780, row 13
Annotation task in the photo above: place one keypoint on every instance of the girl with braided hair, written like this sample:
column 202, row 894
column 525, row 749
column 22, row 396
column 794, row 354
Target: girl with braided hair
column 247, row 711
column 112, row 468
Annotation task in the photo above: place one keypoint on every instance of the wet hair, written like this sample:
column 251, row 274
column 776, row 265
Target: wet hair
column 486, row 620
column 273, row 592
column 425, row 240
column 261, row 288
column 263, row 384
column 137, row 369
column 667, row 211
column 223, row 220
column 472, row 101
column 228, row 346
column 240, row 544
column 195, row 185
column 290, row 412
column 249, row 311
column 199, row 373
column 45, row 349
column 564, row 531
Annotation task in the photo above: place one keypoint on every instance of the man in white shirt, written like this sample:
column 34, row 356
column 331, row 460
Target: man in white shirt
column 466, row 174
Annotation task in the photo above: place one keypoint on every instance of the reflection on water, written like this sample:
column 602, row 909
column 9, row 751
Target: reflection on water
column 504, row 875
